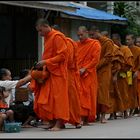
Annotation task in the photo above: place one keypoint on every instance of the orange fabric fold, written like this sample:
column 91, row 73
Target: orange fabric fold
column 74, row 89
column 88, row 57
column 51, row 97
column 104, row 70
column 135, row 89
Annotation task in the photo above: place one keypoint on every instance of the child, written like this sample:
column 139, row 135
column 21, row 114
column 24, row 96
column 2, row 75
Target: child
column 24, row 110
column 5, row 112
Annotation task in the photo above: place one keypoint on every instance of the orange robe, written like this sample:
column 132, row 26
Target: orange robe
column 134, row 88
column 138, row 87
column 122, row 81
column 104, row 73
column 88, row 57
column 73, row 83
column 116, row 103
column 51, row 98
column 3, row 105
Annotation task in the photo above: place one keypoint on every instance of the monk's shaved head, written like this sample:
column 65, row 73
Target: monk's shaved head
column 132, row 36
column 82, row 28
column 105, row 33
column 116, row 39
column 116, row 36
column 43, row 27
column 42, row 21
column 130, row 40
column 94, row 29
column 94, row 32
column 82, row 33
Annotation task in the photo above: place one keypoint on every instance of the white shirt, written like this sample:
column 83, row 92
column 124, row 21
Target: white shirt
column 30, row 97
column 9, row 86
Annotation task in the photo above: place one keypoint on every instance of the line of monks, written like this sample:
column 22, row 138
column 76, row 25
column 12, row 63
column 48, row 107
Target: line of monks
column 88, row 78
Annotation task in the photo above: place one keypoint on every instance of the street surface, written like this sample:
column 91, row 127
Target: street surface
column 120, row 128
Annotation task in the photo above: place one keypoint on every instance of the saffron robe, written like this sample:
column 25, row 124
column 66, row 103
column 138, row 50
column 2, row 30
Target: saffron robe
column 116, row 103
column 136, row 67
column 104, row 71
column 88, row 57
column 122, row 80
column 51, row 98
column 73, row 83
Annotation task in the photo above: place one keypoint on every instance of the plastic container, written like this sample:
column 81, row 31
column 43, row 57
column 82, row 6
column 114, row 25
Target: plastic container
column 12, row 127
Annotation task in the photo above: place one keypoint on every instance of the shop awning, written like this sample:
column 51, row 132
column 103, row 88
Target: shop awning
column 87, row 13
column 46, row 5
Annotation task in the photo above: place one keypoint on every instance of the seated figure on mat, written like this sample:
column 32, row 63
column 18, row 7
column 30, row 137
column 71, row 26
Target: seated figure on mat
column 24, row 109
column 5, row 112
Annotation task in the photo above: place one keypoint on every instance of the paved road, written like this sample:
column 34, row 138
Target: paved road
column 120, row 128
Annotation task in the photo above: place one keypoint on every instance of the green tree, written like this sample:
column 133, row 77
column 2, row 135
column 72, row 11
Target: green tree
column 129, row 11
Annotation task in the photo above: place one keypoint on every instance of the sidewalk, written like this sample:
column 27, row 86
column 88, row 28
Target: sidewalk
column 120, row 128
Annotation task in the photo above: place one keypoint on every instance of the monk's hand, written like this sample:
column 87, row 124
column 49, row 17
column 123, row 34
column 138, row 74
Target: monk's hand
column 82, row 71
column 135, row 74
column 40, row 64
column 115, row 77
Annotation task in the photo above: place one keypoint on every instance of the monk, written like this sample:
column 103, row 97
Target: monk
column 51, row 97
column 137, row 42
column 130, row 40
column 74, row 88
column 122, row 104
column 103, row 72
column 138, row 80
column 88, row 59
column 116, row 103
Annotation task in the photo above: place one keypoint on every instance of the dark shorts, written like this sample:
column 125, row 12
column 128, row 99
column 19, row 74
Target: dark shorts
column 22, row 112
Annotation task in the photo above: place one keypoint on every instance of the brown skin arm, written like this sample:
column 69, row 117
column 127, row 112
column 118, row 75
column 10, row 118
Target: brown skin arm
column 23, row 81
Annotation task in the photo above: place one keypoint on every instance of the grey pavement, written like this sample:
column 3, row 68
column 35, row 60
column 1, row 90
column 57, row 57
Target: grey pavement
column 120, row 128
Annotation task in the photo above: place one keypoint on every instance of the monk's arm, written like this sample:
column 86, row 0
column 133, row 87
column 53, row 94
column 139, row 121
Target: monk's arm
column 95, row 56
column 61, row 50
column 139, row 62
column 55, row 59
column 108, row 55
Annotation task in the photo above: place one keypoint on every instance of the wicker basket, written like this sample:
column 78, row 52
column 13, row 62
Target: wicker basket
column 21, row 95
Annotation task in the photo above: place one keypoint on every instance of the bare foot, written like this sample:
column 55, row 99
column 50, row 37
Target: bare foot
column 54, row 129
column 85, row 124
column 47, row 125
column 58, row 125
column 103, row 121
column 27, row 126
column 125, row 116
column 97, row 119
column 110, row 118
column 63, row 126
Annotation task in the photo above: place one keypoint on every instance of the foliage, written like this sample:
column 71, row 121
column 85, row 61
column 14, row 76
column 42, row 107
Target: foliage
column 129, row 11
